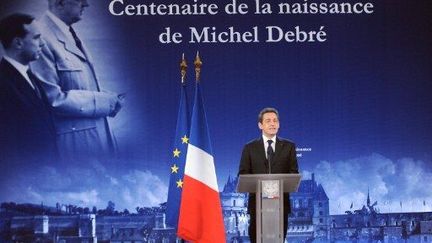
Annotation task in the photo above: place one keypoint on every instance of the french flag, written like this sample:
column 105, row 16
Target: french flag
column 200, row 218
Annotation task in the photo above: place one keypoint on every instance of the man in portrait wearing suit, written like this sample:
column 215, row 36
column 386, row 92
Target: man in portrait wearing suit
column 70, row 82
column 268, row 154
column 26, row 128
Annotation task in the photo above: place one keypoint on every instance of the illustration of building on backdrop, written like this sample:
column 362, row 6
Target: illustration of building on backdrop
column 309, row 221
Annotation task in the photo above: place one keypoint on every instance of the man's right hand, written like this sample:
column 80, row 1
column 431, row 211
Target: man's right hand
column 118, row 105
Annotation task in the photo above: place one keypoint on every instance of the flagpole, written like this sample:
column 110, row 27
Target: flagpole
column 198, row 64
column 183, row 68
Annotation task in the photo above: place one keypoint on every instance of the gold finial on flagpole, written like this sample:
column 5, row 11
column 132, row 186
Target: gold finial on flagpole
column 198, row 64
column 183, row 67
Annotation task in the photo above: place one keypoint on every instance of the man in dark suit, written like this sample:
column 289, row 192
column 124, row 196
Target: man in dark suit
column 26, row 128
column 268, row 154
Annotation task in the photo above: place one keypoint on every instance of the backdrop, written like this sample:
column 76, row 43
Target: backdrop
column 354, row 95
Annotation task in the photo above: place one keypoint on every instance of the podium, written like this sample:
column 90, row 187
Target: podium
column 269, row 189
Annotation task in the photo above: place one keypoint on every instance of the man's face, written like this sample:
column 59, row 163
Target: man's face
column 73, row 9
column 269, row 124
column 31, row 44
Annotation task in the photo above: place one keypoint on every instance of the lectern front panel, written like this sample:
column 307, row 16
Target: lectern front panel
column 271, row 211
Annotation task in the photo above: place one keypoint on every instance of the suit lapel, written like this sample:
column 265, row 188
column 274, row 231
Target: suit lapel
column 279, row 148
column 259, row 148
column 22, row 88
column 69, row 45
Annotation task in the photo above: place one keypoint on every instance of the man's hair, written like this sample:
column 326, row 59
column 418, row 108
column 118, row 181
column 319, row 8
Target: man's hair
column 267, row 110
column 12, row 26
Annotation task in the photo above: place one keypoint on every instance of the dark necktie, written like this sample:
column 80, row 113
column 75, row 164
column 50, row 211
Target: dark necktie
column 78, row 42
column 270, row 153
column 34, row 81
